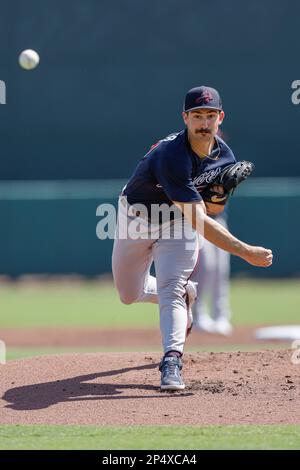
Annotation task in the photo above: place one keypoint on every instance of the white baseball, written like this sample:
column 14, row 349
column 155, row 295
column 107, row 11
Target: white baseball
column 29, row 59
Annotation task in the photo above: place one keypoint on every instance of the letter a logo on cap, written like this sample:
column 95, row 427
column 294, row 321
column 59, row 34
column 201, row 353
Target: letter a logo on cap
column 205, row 97
column 202, row 97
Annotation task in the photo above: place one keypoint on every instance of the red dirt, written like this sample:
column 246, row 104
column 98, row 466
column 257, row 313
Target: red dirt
column 122, row 389
column 116, row 338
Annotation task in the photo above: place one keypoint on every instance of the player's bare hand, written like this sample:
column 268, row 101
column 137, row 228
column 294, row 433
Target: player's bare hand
column 258, row 256
column 213, row 208
column 218, row 188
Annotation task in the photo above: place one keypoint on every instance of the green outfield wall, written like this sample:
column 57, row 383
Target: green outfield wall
column 50, row 227
column 113, row 74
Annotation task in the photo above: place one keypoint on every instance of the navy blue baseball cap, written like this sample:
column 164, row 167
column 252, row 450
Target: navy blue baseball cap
column 202, row 97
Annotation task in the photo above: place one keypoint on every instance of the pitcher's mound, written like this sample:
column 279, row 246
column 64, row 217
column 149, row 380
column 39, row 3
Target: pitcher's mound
column 123, row 389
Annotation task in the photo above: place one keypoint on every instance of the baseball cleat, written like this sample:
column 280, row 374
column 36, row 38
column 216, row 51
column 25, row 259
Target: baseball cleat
column 223, row 327
column 204, row 323
column 191, row 295
column 170, row 368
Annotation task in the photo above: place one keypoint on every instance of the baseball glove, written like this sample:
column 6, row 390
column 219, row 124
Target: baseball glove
column 229, row 178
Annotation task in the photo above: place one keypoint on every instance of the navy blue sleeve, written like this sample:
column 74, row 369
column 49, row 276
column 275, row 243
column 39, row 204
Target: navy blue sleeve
column 232, row 156
column 174, row 174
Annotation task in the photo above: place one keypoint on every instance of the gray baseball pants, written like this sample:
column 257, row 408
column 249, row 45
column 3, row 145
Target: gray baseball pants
column 212, row 275
column 174, row 261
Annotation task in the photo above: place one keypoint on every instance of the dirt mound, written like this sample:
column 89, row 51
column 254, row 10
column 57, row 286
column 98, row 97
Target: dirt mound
column 122, row 389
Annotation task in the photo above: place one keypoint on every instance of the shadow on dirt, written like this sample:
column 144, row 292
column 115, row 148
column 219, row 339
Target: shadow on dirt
column 43, row 395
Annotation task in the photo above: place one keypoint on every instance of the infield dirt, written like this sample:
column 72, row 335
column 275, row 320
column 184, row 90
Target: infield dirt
column 123, row 389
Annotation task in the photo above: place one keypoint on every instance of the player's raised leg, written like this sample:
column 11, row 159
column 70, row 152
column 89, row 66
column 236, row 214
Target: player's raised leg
column 131, row 262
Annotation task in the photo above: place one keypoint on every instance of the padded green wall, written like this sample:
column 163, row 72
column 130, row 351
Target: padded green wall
column 113, row 74
column 51, row 227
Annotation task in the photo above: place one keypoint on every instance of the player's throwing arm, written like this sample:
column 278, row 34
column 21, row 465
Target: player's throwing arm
column 220, row 236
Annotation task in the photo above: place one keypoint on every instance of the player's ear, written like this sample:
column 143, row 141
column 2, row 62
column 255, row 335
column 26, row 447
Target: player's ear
column 185, row 117
column 221, row 117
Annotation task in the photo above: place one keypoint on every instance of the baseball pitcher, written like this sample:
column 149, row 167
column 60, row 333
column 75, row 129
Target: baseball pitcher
column 192, row 172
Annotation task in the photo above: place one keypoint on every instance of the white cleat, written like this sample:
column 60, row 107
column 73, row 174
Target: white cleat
column 223, row 327
column 204, row 323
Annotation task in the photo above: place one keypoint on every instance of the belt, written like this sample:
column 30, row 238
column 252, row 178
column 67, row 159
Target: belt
column 133, row 212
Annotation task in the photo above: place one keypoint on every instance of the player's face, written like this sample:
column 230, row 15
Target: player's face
column 203, row 124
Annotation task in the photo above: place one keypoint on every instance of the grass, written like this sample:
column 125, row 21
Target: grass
column 253, row 302
column 149, row 437
column 266, row 301
column 86, row 305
